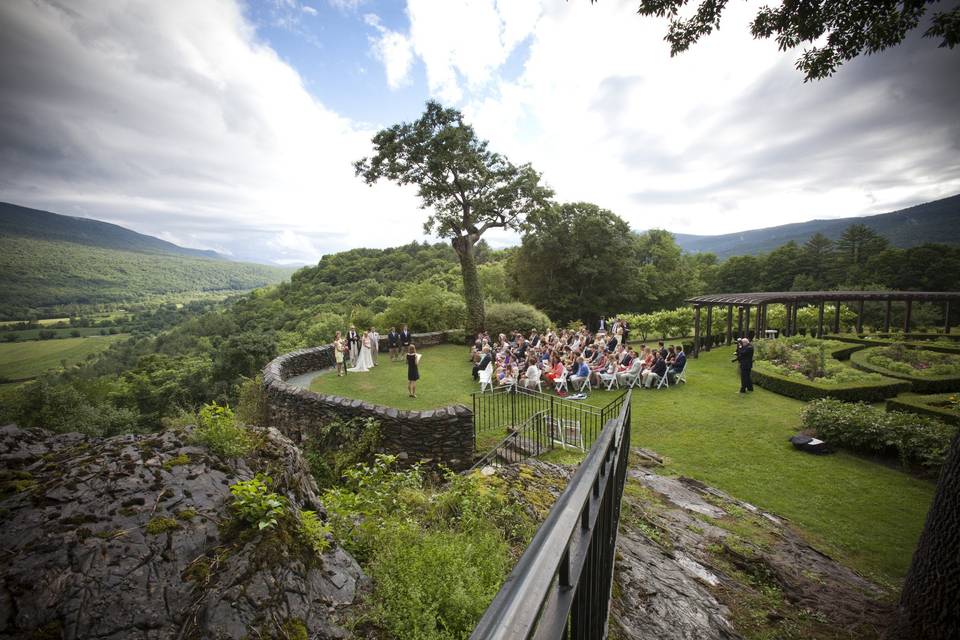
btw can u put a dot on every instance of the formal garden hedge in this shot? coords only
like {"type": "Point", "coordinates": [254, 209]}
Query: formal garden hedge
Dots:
{"type": "Point", "coordinates": [807, 369]}
{"type": "Point", "coordinates": [927, 405]}
{"type": "Point", "coordinates": [848, 392]}
{"type": "Point", "coordinates": [896, 360]}
{"type": "Point", "coordinates": [944, 346]}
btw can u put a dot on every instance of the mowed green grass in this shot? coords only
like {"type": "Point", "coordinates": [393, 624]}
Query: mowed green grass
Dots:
{"type": "Point", "coordinates": [864, 513]}
{"type": "Point", "coordinates": [20, 360]}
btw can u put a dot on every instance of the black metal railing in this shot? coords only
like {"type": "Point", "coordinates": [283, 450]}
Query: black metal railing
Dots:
{"type": "Point", "coordinates": [506, 408]}
{"type": "Point", "coordinates": [534, 436]}
{"type": "Point", "coordinates": [562, 584]}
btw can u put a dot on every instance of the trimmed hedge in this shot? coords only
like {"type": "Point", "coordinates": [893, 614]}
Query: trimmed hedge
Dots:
{"type": "Point", "coordinates": [932, 384]}
{"type": "Point", "coordinates": [806, 390]}
{"type": "Point", "coordinates": [918, 405]}
{"type": "Point", "coordinates": [941, 348]}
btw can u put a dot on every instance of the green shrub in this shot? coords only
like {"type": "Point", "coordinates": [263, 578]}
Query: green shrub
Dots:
{"type": "Point", "coordinates": [322, 328]}
{"type": "Point", "coordinates": [456, 336]}
{"type": "Point", "coordinates": [219, 432]}
{"type": "Point", "coordinates": [505, 317]}
{"type": "Point", "coordinates": [338, 445]}
{"type": "Point", "coordinates": [424, 306]}
{"type": "Point", "coordinates": [255, 504]}
{"type": "Point", "coordinates": [435, 584]}
{"type": "Point", "coordinates": [314, 531]}
{"type": "Point", "coordinates": [252, 402]}
{"type": "Point", "coordinates": [858, 426]}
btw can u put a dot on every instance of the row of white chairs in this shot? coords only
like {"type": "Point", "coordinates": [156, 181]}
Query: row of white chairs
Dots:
{"type": "Point", "coordinates": [582, 384]}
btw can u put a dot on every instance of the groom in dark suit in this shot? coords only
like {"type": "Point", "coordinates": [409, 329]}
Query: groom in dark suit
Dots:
{"type": "Point", "coordinates": [353, 344]}
{"type": "Point", "coordinates": [404, 338]}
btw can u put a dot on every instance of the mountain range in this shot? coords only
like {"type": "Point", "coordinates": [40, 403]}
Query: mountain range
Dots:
{"type": "Point", "coordinates": [937, 221]}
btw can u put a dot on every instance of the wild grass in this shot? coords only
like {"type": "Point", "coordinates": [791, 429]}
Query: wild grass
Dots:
{"type": "Point", "coordinates": [19, 360]}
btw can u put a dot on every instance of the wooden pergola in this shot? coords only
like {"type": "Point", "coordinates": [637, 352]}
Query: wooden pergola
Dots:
{"type": "Point", "coordinates": [755, 304]}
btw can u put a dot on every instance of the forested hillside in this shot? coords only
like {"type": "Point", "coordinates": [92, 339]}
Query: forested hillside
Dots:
{"type": "Point", "coordinates": [44, 225]}
{"type": "Point", "coordinates": [929, 222]}
{"type": "Point", "coordinates": [42, 277]}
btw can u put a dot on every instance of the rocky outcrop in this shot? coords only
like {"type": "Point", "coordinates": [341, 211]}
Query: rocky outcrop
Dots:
{"type": "Point", "coordinates": [133, 537]}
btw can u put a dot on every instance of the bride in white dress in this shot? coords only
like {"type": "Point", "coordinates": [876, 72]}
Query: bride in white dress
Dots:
{"type": "Point", "coordinates": [364, 360]}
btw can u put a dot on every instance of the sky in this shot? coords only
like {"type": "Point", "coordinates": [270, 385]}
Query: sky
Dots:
{"type": "Point", "coordinates": [233, 125]}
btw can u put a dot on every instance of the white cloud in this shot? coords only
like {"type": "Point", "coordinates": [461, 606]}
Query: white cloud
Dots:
{"type": "Point", "coordinates": [309, 10]}
{"type": "Point", "coordinates": [393, 49]}
{"type": "Point", "coordinates": [160, 116]}
{"type": "Point", "coordinates": [347, 5]}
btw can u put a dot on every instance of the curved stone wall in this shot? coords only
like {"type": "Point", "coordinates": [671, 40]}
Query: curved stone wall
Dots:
{"type": "Point", "coordinates": [442, 435]}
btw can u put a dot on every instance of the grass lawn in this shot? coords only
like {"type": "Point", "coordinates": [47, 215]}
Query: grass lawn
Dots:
{"type": "Point", "coordinates": [20, 360]}
{"type": "Point", "coordinates": [866, 514]}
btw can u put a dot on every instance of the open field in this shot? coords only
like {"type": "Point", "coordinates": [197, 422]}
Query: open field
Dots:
{"type": "Point", "coordinates": [865, 513]}
{"type": "Point", "coordinates": [20, 360]}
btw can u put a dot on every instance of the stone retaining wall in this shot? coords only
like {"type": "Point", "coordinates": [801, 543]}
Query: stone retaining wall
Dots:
{"type": "Point", "coordinates": [442, 435]}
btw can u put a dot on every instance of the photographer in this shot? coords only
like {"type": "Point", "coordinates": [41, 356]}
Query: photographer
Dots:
{"type": "Point", "coordinates": [744, 356]}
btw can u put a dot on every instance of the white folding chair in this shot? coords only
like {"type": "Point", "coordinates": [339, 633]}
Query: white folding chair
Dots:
{"type": "Point", "coordinates": [681, 377]}
{"type": "Point", "coordinates": [583, 382]}
{"type": "Point", "coordinates": [561, 383]}
{"type": "Point", "coordinates": [664, 380]}
{"type": "Point", "coordinates": [486, 378]}
{"type": "Point", "coordinates": [609, 380]}
{"type": "Point", "coordinates": [528, 383]}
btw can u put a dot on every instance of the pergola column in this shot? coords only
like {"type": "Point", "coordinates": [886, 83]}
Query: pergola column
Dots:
{"type": "Point", "coordinates": [759, 328]}
{"type": "Point", "coordinates": [836, 319]}
{"type": "Point", "coordinates": [906, 317]}
{"type": "Point", "coordinates": [820, 320]}
{"type": "Point", "coordinates": [886, 317]}
{"type": "Point", "coordinates": [787, 307]}
{"type": "Point", "coordinates": [709, 327]}
{"type": "Point", "coordinates": [860, 316]}
{"type": "Point", "coordinates": [746, 326]}
{"type": "Point", "coordinates": [729, 323]}
{"type": "Point", "coordinates": [796, 310]}
{"type": "Point", "coordinates": [946, 317]}
{"type": "Point", "coordinates": [696, 331]}
{"type": "Point", "coordinates": [739, 321]}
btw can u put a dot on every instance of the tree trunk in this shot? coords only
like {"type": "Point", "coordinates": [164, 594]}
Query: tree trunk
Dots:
{"type": "Point", "coordinates": [472, 293]}
{"type": "Point", "coordinates": [930, 602]}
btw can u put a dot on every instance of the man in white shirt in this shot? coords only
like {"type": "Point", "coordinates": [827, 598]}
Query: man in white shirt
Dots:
{"type": "Point", "coordinates": [374, 345]}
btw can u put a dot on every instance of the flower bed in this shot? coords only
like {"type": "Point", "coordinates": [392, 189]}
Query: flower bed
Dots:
{"type": "Point", "coordinates": [807, 368]}
{"type": "Point", "coordinates": [927, 371]}
{"type": "Point", "coordinates": [943, 406]}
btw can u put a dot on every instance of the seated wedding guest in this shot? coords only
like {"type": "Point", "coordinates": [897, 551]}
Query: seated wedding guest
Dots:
{"type": "Point", "coordinates": [678, 364]}
{"type": "Point", "coordinates": [580, 373]}
{"type": "Point", "coordinates": [556, 369]}
{"type": "Point", "coordinates": [636, 367]}
{"type": "Point", "coordinates": [530, 378]}
{"type": "Point", "coordinates": [534, 338]}
{"type": "Point", "coordinates": [671, 355]}
{"type": "Point", "coordinates": [611, 343]}
{"type": "Point", "coordinates": [504, 375]}
{"type": "Point", "coordinates": [652, 376]}
{"type": "Point", "coordinates": [625, 359]}
{"type": "Point", "coordinates": [484, 361]}
{"type": "Point", "coordinates": [661, 349]}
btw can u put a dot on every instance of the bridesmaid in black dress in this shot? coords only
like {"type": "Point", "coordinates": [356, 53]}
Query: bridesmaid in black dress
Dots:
{"type": "Point", "coordinates": [413, 370]}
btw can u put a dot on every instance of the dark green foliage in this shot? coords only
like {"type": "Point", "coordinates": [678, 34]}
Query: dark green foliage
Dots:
{"type": "Point", "coordinates": [336, 446]}
{"type": "Point", "coordinates": [505, 317]}
{"type": "Point", "coordinates": [63, 408]}
{"type": "Point", "coordinates": [858, 426]}
{"type": "Point", "coordinates": [837, 31]}
{"type": "Point", "coordinates": [218, 431]}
